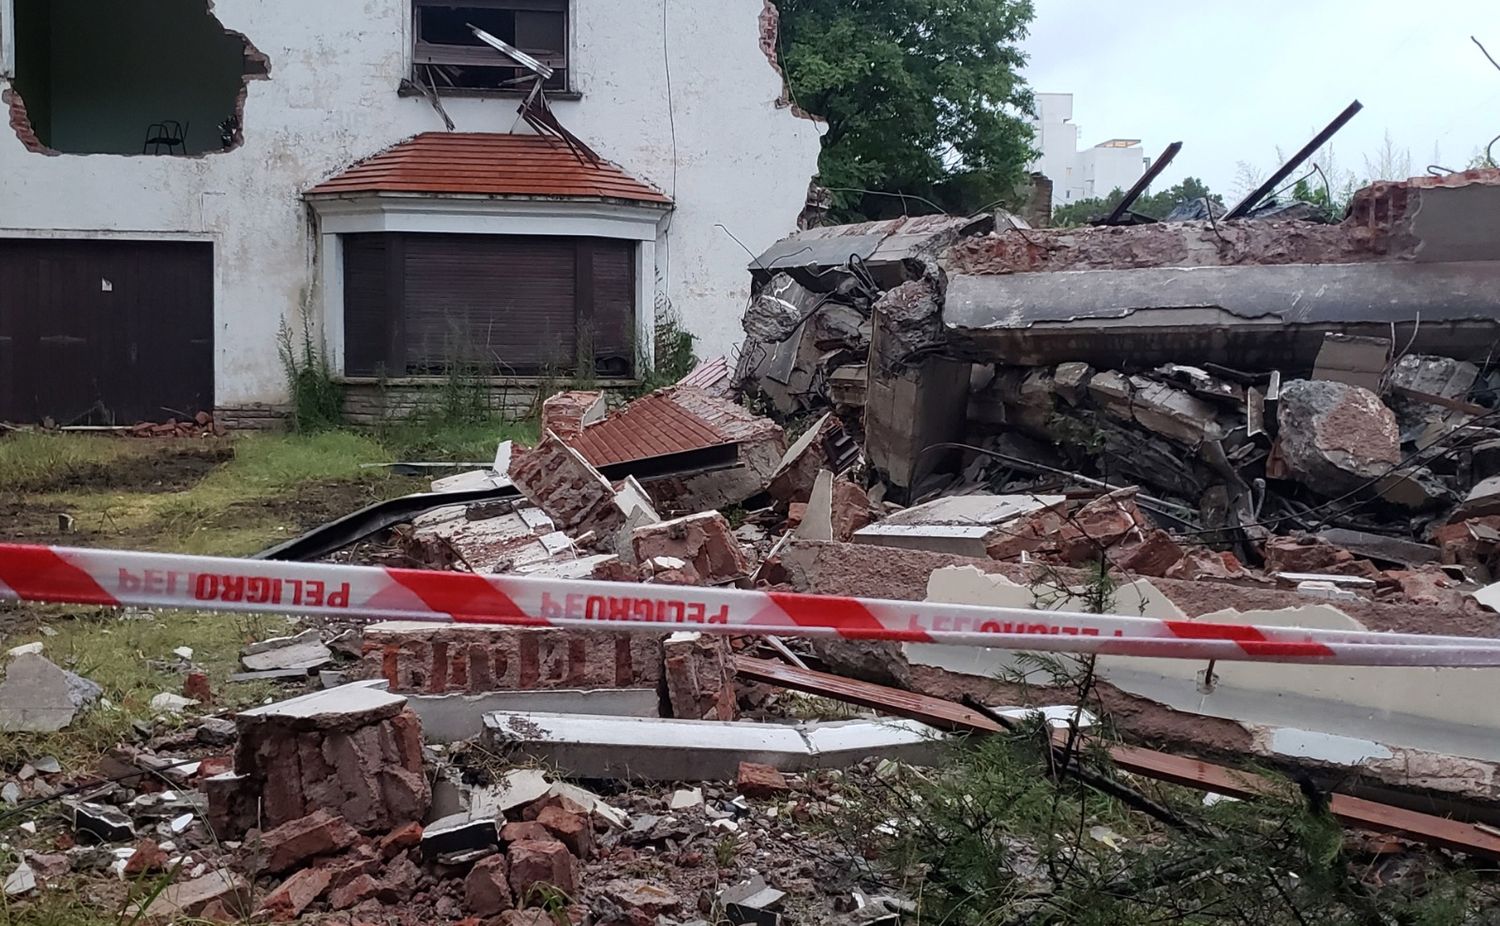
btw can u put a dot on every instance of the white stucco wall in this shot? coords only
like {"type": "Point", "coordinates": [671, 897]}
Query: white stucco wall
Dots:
{"type": "Point", "coordinates": [331, 99]}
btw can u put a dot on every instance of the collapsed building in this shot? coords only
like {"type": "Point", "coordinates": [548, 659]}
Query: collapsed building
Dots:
{"type": "Point", "coordinates": [1170, 355]}
{"type": "Point", "coordinates": [1265, 423]}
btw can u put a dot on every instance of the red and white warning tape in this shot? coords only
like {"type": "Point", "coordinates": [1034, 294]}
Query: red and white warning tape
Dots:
{"type": "Point", "coordinates": [156, 580]}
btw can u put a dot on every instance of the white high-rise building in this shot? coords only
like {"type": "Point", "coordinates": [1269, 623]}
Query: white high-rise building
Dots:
{"type": "Point", "coordinates": [1092, 172]}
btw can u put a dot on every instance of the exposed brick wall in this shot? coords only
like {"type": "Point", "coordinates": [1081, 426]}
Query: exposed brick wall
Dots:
{"type": "Point", "coordinates": [444, 660]}
{"type": "Point", "coordinates": [253, 417]}
{"type": "Point", "coordinates": [375, 403]}
{"type": "Point", "coordinates": [20, 122]}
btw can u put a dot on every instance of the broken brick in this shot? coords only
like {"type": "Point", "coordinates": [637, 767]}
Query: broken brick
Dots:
{"type": "Point", "coordinates": [535, 862]}
{"type": "Point", "coordinates": [851, 510]}
{"type": "Point", "coordinates": [357, 891]}
{"type": "Point", "coordinates": [196, 686]}
{"type": "Point", "coordinates": [399, 880]}
{"type": "Point", "coordinates": [567, 413]}
{"type": "Point", "coordinates": [1153, 555]}
{"type": "Point", "coordinates": [487, 887]}
{"type": "Point", "coordinates": [761, 781]}
{"type": "Point", "coordinates": [705, 541]}
{"type": "Point", "coordinates": [295, 894]}
{"type": "Point", "coordinates": [363, 859]}
{"type": "Point", "coordinates": [571, 829]}
{"type": "Point", "coordinates": [400, 840]}
{"type": "Point", "coordinates": [555, 478]}
{"type": "Point", "coordinates": [516, 832]}
{"type": "Point", "coordinates": [148, 857]}
{"type": "Point", "coordinates": [1312, 555]}
{"type": "Point", "coordinates": [293, 843]}
{"type": "Point", "coordinates": [1205, 564]}
{"type": "Point", "coordinates": [700, 677]}
{"type": "Point", "coordinates": [638, 902]}
{"type": "Point", "coordinates": [354, 752]}
{"type": "Point", "coordinates": [1099, 525]}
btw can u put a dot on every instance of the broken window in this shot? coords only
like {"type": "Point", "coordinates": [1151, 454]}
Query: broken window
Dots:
{"type": "Point", "coordinates": [103, 77]}
{"type": "Point", "coordinates": [420, 304]}
{"type": "Point", "coordinates": [447, 56]}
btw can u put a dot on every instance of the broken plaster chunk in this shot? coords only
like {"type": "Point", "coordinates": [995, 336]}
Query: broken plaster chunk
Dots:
{"type": "Point", "coordinates": [743, 901]}
{"type": "Point", "coordinates": [20, 881]}
{"type": "Point", "coordinates": [306, 650]}
{"type": "Point", "coordinates": [518, 788]}
{"type": "Point", "coordinates": [38, 696]}
{"type": "Point", "coordinates": [28, 649]}
{"type": "Point", "coordinates": [686, 799]}
{"type": "Point", "coordinates": [168, 703]}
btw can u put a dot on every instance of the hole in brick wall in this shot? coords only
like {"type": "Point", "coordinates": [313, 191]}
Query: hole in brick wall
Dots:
{"type": "Point", "coordinates": [103, 77]}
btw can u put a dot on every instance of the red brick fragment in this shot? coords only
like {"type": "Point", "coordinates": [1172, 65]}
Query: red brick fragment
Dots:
{"type": "Point", "coordinates": [761, 781]}
{"type": "Point", "coordinates": [292, 843]}
{"type": "Point", "coordinates": [571, 829]}
{"type": "Point", "coordinates": [487, 887]}
{"type": "Point", "coordinates": [296, 894]}
{"type": "Point", "coordinates": [534, 863]}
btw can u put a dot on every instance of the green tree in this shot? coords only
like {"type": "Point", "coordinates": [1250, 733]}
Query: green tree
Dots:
{"type": "Point", "coordinates": [922, 98]}
{"type": "Point", "coordinates": [1155, 205]}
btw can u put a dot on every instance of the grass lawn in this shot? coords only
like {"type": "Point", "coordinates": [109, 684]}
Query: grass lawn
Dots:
{"type": "Point", "coordinates": [229, 496]}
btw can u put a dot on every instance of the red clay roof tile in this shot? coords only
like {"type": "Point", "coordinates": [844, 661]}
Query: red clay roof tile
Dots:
{"type": "Point", "coordinates": [669, 421]}
{"type": "Point", "coordinates": [488, 164]}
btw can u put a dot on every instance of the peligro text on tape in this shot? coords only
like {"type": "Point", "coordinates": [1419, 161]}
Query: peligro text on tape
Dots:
{"type": "Point", "coordinates": [156, 580]}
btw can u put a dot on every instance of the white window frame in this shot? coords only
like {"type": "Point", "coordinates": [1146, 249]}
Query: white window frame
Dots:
{"type": "Point", "coordinates": [643, 223]}
{"type": "Point", "coordinates": [7, 39]}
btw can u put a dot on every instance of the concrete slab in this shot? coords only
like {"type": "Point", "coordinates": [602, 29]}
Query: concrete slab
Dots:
{"type": "Point", "coordinates": [974, 509]}
{"type": "Point", "coordinates": [956, 539]}
{"type": "Point", "coordinates": [1489, 596]}
{"type": "Point", "coordinates": [958, 524]}
{"type": "Point", "coordinates": [694, 750]}
{"type": "Point", "coordinates": [840, 745]}
{"type": "Point", "coordinates": [967, 585]}
{"type": "Point", "coordinates": [355, 698]}
{"type": "Point", "coordinates": [452, 718]}
{"type": "Point", "coordinates": [817, 522]}
{"type": "Point", "coordinates": [1419, 708]}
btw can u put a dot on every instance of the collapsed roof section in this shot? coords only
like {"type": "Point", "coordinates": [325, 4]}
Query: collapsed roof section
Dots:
{"type": "Point", "coordinates": [1422, 255]}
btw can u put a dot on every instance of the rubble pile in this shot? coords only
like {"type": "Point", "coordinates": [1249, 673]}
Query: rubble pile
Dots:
{"type": "Point", "coordinates": [201, 425]}
{"type": "Point", "coordinates": [1376, 433]}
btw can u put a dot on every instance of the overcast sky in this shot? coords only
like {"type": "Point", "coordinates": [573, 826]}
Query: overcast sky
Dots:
{"type": "Point", "coordinates": [1232, 80]}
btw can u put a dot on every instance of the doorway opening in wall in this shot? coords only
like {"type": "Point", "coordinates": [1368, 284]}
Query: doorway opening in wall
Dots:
{"type": "Point", "coordinates": [447, 56]}
{"type": "Point", "coordinates": [102, 77]}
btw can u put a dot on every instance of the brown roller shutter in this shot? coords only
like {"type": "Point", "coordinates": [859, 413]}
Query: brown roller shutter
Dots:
{"type": "Point", "coordinates": [614, 306]}
{"type": "Point", "coordinates": [370, 322]}
{"type": "Point", "coordinates": [505, 302]}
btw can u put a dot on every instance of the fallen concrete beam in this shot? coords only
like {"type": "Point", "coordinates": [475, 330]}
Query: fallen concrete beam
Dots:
{"type": "Point", "coordinates": [1272, 317]}
{"type": "Point", "coordinates": [452, 718]}
{"type": "Point", "coordinates": [585, 746]}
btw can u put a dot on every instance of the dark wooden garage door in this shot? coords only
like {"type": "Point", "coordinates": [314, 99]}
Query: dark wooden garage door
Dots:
{"type": "Point", "coordinates": [105, 332]}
